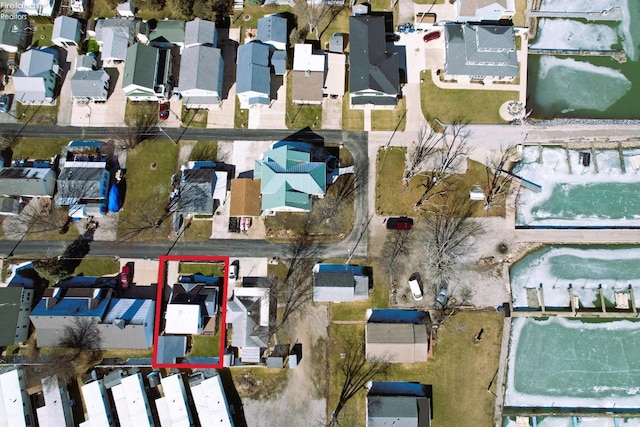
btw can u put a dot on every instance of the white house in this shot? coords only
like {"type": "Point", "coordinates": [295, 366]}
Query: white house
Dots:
{"type": "Point", "coordinates": [210, 401]}
{"type": "Point", "coordinates": [173, 407]}
{"type": "Point", "coordinates": [183, 319]}
{"type": "Point", "coordinates": [484, 10]}
{"type": "Point", "coordinates": [15, 405]}
{"type": "Point", "coordinates": [131, 402]}
{"type": "Point", "coordinates": [56, 411]}
{"type": "Point", "coordinates": [98, 407]}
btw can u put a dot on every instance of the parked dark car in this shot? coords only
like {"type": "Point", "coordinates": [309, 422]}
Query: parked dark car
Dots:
{"type": "Point", "coordinates": [126, 276]}
{"type": "Point", "coordinates": [401, 223]}
{"type": "Point", "coordinates": [434, 35]}
{"type": "Point", "coordinates": [393, 37]}
{"type": "Point", "coordinates": [163, 113]}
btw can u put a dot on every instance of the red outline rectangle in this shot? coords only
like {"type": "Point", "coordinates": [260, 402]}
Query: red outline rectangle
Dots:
{"type": "Point", "coordinates": [223, 310]}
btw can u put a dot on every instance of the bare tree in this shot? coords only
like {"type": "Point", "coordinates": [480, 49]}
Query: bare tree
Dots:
{"type": "Point", "coordinates": [311, 13]}
{"type": "Point", "coordinates": [146, 218]}
{"type": "Point", "coordinates": [339, 195]}
{"type": "Point", "coordinates": [37, 216]}
{"type": "Point", "coordinates": [449, 235]}
{"type": "Point", "coordinates": [395, 250]}
{"type": "Point", "coordinates": [499, 180]}
{"type": "Point", "coordinates": [444, 161]}
{"type": "Point", "coordinates": [142, 124]}
{"type": "Point", "coordinates": [427, 145]}
{"type": "Point", "coordinates": [357, 372]}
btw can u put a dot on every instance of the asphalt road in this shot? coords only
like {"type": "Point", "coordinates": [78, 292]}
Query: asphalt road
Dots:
{"type": "Point", "coordinates": [355, 244]}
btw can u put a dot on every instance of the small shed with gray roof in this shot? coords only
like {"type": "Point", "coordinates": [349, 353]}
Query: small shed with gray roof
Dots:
{"type": "Point", "coordinates": [200, 32]}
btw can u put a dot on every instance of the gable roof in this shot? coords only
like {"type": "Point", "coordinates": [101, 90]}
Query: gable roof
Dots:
{"type": "Point", "coordinates": [200, 32]}
{"type": "Point", "coordinates": [139, 66]}
{"type": "Point", "coordinates": [36, 63]}
{"type": "Point", "coordinates": [169, 30]}
{"type": "Point", "coordinates": [197, 191]}
{"type": "Point", "coordinates": [480, 50]}
{"type": "Point", "coordinates": [115, 44]}
{"type": "Point", "coordinates": [400, 404]}
{"type": "Point", "coordinates": [201, 68]}
{"type": "Point", "coordinates": [289, 177]}
{"type": "Point", "coordinates": [272, 28]}
{"type": "Point", "coordinates": [27, 181]}
{"type": "Point", "coordinates": [89, 83]}
{"type": "Point", "coordinates": [12, 31]}
{"type": "Point", "coordinates": [245, 197]}
{"type": "Point", "coordinates": [66, 28]}
{"type": "Point", "coordinates": [122, 26]}
{"type": "Point", "coordinates": [82, 183]}
{"type": "Point", "coordinates": [248, 312]}
{"type": "Point", "coordinates": [10, 301]}
{"type": "Point", "coordinates": [371, 67]}
{"type": "Point", "coordinates": [253, 73]}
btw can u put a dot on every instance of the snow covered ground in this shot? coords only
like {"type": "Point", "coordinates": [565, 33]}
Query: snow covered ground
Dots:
{"type": "Point", "coordinates": [578, 197]}
{"type": "Point", "coordinates": [584, 267]}
{"type": "Point", "coordinates": [573, 364]}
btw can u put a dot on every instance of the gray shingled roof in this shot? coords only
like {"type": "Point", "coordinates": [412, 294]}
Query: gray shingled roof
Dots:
{"type": "Point", "coordinates": [89, 84]}
{"type": "Point", "coordinates": [370, 66]}
{"type": "Point", "coordinates": [66, 28]}
{"type": "Point", "coordinates": [27, 182]}
{"type": "Point", "coordinates": [122, 26]}
{"type": "Point", "coordinates": [200, 68]}
{"type": "Point", "coordinates": [253, 73]}
{"type": "Point", "coordinates": [480, 50]}
{"type": "Point", "coordinates": [272, 28]}
{"type": "Point", "coordinates": [199, 31]}
{"type": "Point", "coordinates": [35, 62]}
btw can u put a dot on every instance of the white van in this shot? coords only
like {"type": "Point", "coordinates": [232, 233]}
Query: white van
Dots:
{"type": "Point", "coordinates": [415, 290]}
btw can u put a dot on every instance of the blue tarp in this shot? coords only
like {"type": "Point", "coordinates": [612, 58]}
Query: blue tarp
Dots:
{"type": "Point", "coordinates": [114, 199]}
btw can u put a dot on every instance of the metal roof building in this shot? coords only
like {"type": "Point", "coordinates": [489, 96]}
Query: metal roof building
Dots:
{"type": "Point", "coordinates": [399, 404]}
{"type": "Point", "coordinates": [57, 409]}
{"type": "Point", "coordinates": [15, 405]}
{"type": "Point", "coordinates": [131, 402]}
{"type": "Point", "coordinates": [96, 402]}
{"type": "Point", "coordinates": [210, 401]}
{"type": "Point", "coordinates": [173, 408]}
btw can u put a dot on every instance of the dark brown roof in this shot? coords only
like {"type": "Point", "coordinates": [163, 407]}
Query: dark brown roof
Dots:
{"type": "Point", "coordinates": [245, 197]}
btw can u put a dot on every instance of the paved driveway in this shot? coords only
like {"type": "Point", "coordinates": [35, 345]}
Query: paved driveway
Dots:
{"type": "Point", "coordinates": [67, 68]}
{"type": "Point", "coordinates": [110, 113]}
{"type": "Point", "coordinates": [331, 113]}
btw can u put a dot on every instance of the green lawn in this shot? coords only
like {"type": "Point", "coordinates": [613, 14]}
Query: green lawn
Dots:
{"type": "Point", "coordinates": [351, 119]}
{"type": "Point", "coordinates": [473, 106]}
{"type": "Point", "coordinates": [37, 114]}
{"type": "Point", "coordinates": [204, 150]}
{"type": "Point", "coordinates": [197, 231]}
{"type": "Point", "coordinates": [394, 198]}
{"type": "Point", "coordinates": [460, 371]}
{"type": "Point", "coordinates": [97, 266]}
{"type": "Point", "coordinates": [139, 112]}
{"type": "Point", "coordinates": [205, 268]}
{"type": "Point", "coordinates": [241, 117]}
{"type": "Point", "coordinates": [148, 183]}
{"type": "Point", "coordinates": [44, 148]}
{"type": "Point", "coordinates": [301, 116]}
{"type": "Point", "coordinates": [390, 119]}
{"type": "Point", "coordinates": [42, 30]}
{"type": "Point", "coordinates": [206, 346]}
{"type": "Point", "coordinates": [194, 118]}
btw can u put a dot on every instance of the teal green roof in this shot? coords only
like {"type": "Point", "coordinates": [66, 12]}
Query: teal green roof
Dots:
{"type": "Point", "coordinates": [289, 178]}
{"type": "Point", "coordinates": [140, 66]}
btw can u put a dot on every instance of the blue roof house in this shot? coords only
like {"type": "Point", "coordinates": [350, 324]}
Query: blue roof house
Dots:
{"type": "Point", "coordinates": [400, 404]}
{"type": "Point", "coordinates": [272, 29]}
{"type": "Point", "coordinates": [253, 75]}
{"type": "Point", "coordinates": [289, 178]}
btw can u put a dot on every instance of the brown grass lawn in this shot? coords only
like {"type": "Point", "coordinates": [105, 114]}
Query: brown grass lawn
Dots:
{"type": "Point", "coordinates": [390, 119]}
{"type": "Point", "coordinates": [44, 149]}
{"type": "Point", "coordinates": [393, 198]}
{"type": "Point", "coordinates": [519, 19]}
{"type": "Point", "coordinates": [37, 114]}
{"type": "Point", "coordinates": [351, 119]}
{"type": "Point", "coordinates": [460, 371]}
{"type": "Point", "coordinates": [473, 106]}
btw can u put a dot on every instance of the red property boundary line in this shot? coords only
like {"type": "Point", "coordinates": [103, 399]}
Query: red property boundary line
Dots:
{"type": "Point", "coordinates": [223, 311]}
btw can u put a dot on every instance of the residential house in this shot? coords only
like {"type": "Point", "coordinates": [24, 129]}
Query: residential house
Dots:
{"type": "Point", "coordinates": [13, 33]}
{"type": "Point", "coordinates": [87, 83]}
{"type": "Point", "coordinates": [374, 73]}
{"type": "Point", "coordinates": [200, 32]}
{"type": "Point", "coordinates": [15, 404]}
{"type": "Point", "coordinates": [147, 73]}
{"type": "Point", "coordinates": [289, 178]}
{"type": "Point", "coordinates": [132, 405]}
{"type": "Point", "coordinates": [201, 72]}
{"type": "Point", "coordinates": [192, 308]}
{"type": "Point", "coordinates": [36, 78]}
{"type": "Point", "coordinates": [484, 10]}
{"type": "Point", "coordinates": [272, 30]}
{"type": "Point", "coordinates": [27, 182]}
{"type": "Point", "coordinates": [248, 318]}
{"type": "Point", "coordinates": [253, 75]}
{"type": "Point", "coordinates": [480, 53]}
{"type": "Point", "coordinates": [97, 405]}
{"type": "Point", "coordinates": [14, 316]}
{"type": "Point", "coordinates": [126, 9]}
{"type": "Point", "coordinates": [57, 408]}
{"type": "Point", "coordinates": [170, 348]}
{"type": "Point", "coordinates": [173, 408]}
{"type": "Point", "coordinates": [202, 189]}
{"type": "Point", "coordinates": [401, 404]}
{"type": "Point", "coordinates": [339, 283]}
{"type": "Point", "coordinates": [335, 81]}
{"type": "Point", "coordinates": [66, 31]}
{"type": "Point", "coordinates": [308, 75]}
{"type": "Point", "coordinates": [122, 323]}
{"type": "Point", "coordinates": [83, 183]}
{"type": "Point", "coordinates": [397, 336]}
{"type": "Point", "coordinates": [245, 197]}
{"type": "Point", "coordinates": [210, 400]}
{"type": "Point", "coordinates": [167, 34]}
{"type": "Point", "coordinates": [114, 36]}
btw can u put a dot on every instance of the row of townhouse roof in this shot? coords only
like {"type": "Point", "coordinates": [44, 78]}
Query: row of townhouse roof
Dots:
{"type": "Point", "coordinates": [120, 397]}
